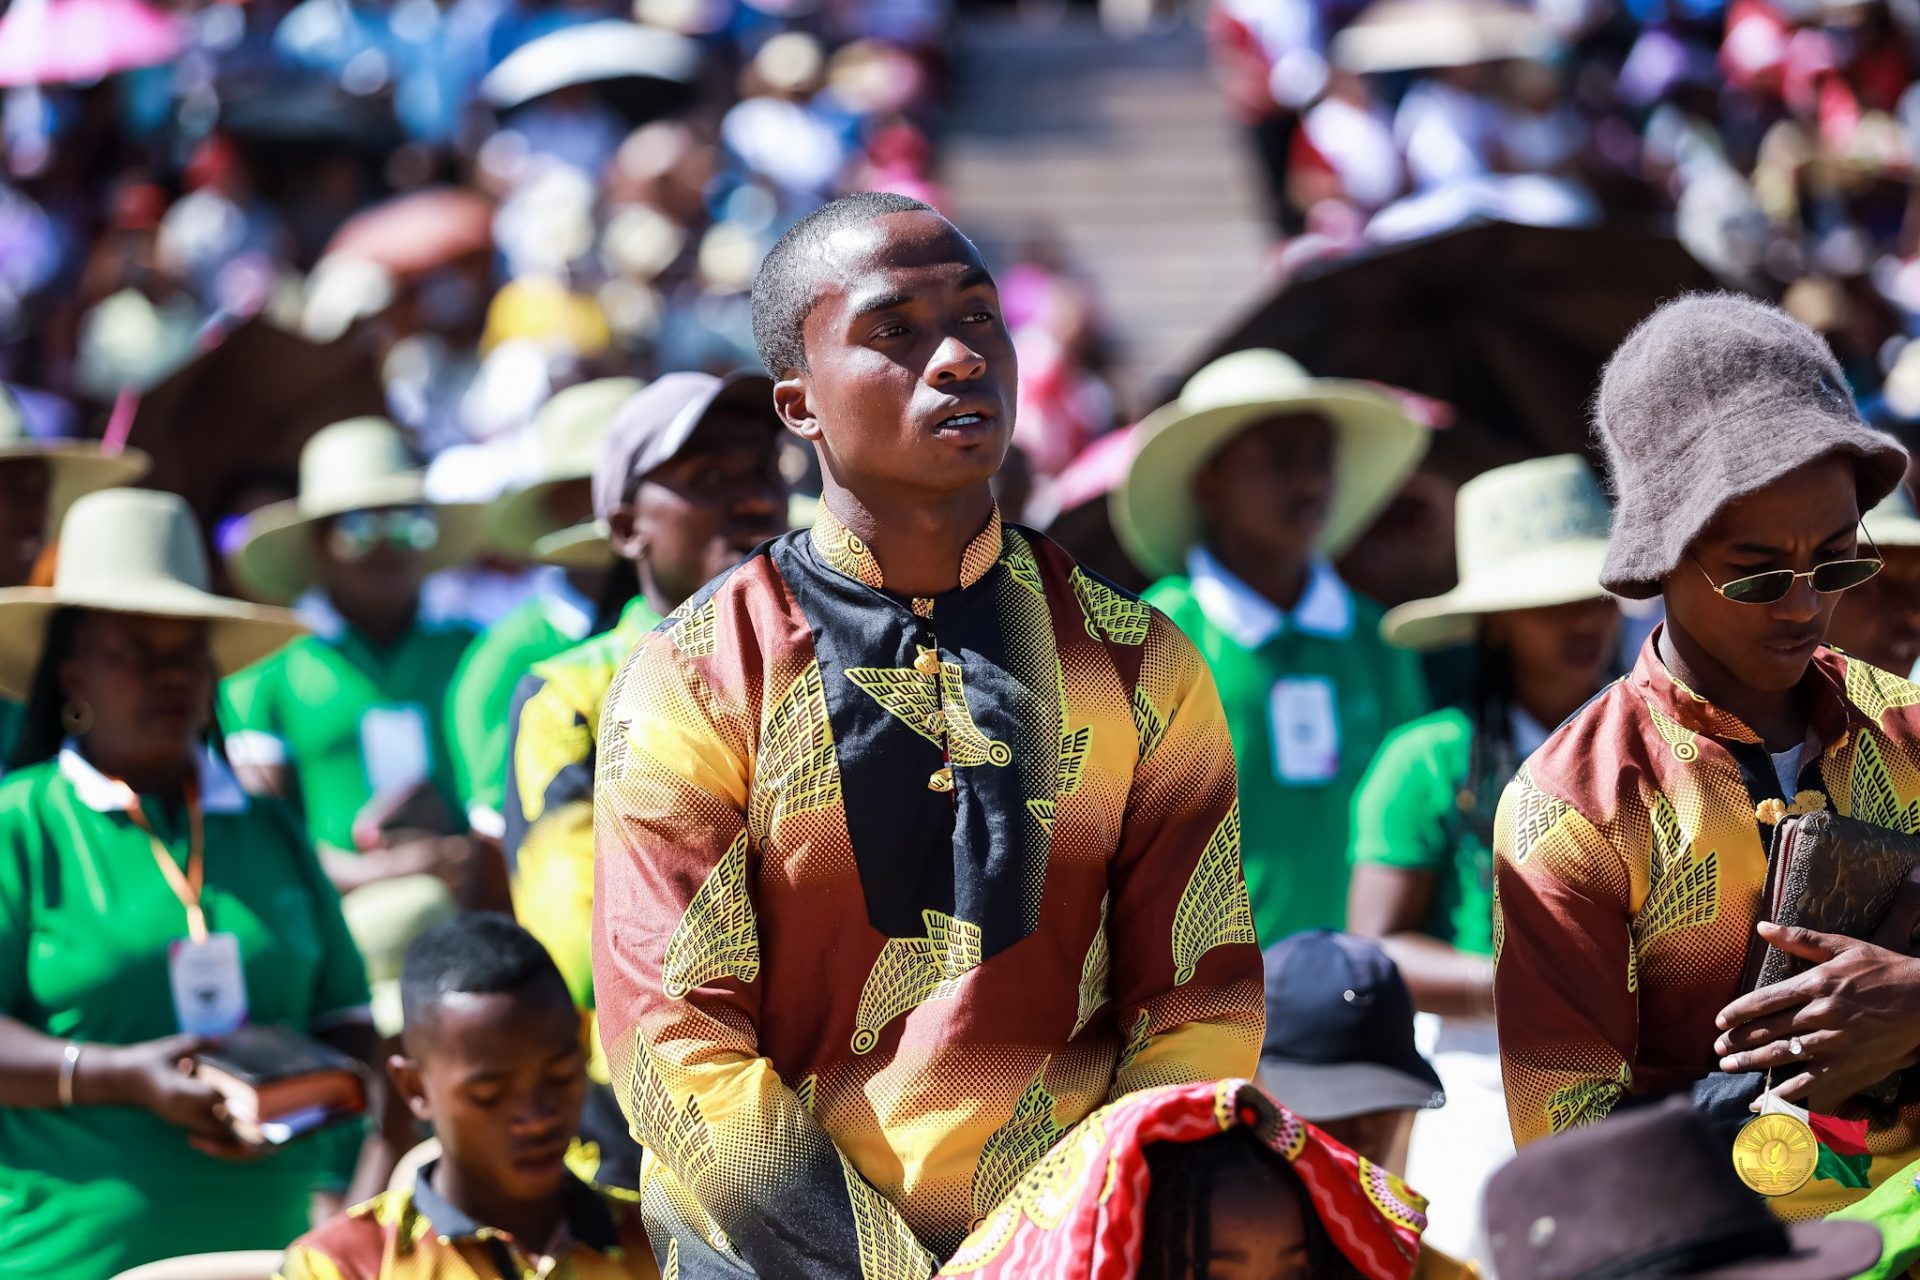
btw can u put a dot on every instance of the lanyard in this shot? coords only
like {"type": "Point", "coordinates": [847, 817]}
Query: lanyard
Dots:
{"type": "Point", "coordinates": [185, 885]}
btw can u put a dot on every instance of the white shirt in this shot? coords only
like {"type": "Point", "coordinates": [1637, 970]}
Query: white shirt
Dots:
{"type": "Point", "coordinates": [1250, 619]}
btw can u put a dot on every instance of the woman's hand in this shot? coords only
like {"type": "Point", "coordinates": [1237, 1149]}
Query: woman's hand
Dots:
{"type": "Point", "coordinates": [157, 1076]}
{"type": "Point", "coordinates": [1855, 1016]}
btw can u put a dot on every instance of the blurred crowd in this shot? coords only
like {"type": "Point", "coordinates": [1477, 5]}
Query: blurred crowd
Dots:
{"type": "Point", "coordinates": [1777, 138]}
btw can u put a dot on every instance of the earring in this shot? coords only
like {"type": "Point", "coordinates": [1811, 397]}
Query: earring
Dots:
{"type": "Point", "coordinates": [76, 718]}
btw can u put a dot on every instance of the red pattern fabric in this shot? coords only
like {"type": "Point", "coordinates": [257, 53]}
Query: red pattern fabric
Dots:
{"type": "Point", "coordinates": [1081, 1213]}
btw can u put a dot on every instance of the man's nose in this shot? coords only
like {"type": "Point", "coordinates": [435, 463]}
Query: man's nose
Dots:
{"type": "Point", "coordinates": [955, 361]}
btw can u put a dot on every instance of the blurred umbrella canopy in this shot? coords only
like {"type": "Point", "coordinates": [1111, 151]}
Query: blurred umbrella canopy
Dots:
{"type": "Point", "coordinates": [81, 41]}
{"type": "Point", "coordinates": [239, 412]}
{"type": "Point", "coordinates": [416, 233]}
{"type": "Point", "coordinates": [641, 72]}
{"type": "Point", "coordinates": [1510, 325]}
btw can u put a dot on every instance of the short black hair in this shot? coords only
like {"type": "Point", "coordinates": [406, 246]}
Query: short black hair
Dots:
{"type": "Point", "coordinates": [481, 954]}
{"type": "Point", "coordinates": [785, 287]}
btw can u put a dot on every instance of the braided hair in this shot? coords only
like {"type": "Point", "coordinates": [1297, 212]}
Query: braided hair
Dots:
{"type": "Point", "coordinates": [1183, 1177]}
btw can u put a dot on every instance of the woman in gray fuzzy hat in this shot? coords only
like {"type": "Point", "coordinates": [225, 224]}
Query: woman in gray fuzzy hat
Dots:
{"type": "Point", "coordinates": [1631, 850]}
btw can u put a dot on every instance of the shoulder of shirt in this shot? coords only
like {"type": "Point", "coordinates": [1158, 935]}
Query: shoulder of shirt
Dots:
{"type": "Point", "coordinates": [355, 1240]}
{"type": "Point", "coordinates": [1570, 765]}
{"type": "Point", "coordinates": [23, 788]}
{"type": "Point", "coordinates": [756, 573]}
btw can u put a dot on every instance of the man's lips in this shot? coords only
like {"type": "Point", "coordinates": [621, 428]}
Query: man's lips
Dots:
{"type": "Point", "coordinates": [1791, 645]}
{"type": "Point", "coordinates": [965, 418]}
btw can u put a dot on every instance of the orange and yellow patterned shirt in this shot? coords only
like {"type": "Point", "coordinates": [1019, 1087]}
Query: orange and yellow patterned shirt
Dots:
{"type": "Point", "coordinates": [415, 1234]}
{"type": "Point", "coordinates": [1630, 857]}
{"type": "Point", "coordinates": [892, 892]}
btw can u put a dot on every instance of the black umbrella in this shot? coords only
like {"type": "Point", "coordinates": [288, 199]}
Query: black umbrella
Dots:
{"type": "Point", "coordinates": [1509, 324]}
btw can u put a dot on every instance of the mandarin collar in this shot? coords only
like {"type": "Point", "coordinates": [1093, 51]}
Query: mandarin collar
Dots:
{"type": "Point", "coordinates": [589, 1222]}
{"type": "Point", "coordinates": [1831, 717]}
{"type": "Point", "coordinates": [844, 551]}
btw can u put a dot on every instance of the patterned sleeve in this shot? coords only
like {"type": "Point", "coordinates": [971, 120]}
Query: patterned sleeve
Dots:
{"type": "Point", "coordinates": [1565, 978]}
{"type": "Point", "coordinates": [1186, 967]}
{"type": "Point", "coordinates": [303, 1262]}
{"type": "Point", "coordinates": [676, 964]}
{"type": "Point", "coordinates": [549, 827]}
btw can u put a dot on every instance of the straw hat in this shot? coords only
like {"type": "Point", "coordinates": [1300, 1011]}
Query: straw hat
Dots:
{"type": "Point", "coordinates": [1377, 447]}
{"type": "Point", "coordinates": [1531, 535]}
{"type": "Point", "coordinates": [586, 545]}
{"type": "Point", "coordinates": [77, 466]}
{"type": "Point", "coordinates": [569, 429]}
{"type": "Point", "coordinates": [134, 551]}
{"type": "Point", "coordinates": [355, 465]}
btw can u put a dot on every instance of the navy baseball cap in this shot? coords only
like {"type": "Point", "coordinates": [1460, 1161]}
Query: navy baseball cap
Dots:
{"type": "Point", "coordinates": [1340, 1031]}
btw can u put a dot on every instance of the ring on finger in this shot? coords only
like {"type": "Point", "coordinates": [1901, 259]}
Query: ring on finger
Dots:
{"type": "Point", "coordinates": [1795, 1048]}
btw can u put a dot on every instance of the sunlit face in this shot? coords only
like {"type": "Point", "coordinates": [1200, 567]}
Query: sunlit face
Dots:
{"type": "Point", "coordinates": [1801, 520]}
{"type": "Point", "coordinates": [910, 377]}
{"type": "Point", "coordinates": [500, 1076]}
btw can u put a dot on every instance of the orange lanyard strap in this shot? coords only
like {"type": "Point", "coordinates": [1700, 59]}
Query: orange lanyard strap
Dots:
{"type": "Point", "coordinates": [185, 885]}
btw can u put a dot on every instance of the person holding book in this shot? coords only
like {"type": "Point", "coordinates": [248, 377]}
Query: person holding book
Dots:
{"type": "Point", "coordinates": [688, 483]}
{"type": "Point", "coordinates": [914, 841]}
{"type": "Point", "coordinates": [349, 723]}
{"type": "Point", "coordinates": [493, 1060]}
{"type": "Point", "coordinates": [1631, 850]}
{"type": "Point", "coordinates": [148, 905]}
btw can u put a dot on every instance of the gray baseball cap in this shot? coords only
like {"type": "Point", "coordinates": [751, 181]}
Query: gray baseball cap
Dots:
{"type": "Point", "coordinates": [653, 426]}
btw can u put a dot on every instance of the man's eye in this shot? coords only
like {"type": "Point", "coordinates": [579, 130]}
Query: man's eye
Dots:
{"type": "Point", "coordinates": [890, 331]}
{"type": "Point", "coordinates": [485, 1098]}
{"type": "Point", "coordinates": [980, 317]}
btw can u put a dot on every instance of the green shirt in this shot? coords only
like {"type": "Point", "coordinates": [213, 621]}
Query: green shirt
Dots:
{"type": "Point", "coordinates": [1323, 677]}
{"type": "Point", "coordinates": [87, 920]}
{"type": "Point", "coordinates": [483, 685]}
{"type": "Point", "coordinates": [349, 719]}
{"type": "Point", "coordinates": [1407, 813]}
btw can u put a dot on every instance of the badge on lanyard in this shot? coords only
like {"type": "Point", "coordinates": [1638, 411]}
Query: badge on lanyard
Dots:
{"type": "Point", "coordinates": [393, 746]}
{"type": "Point", "coordinates": [203, 968]}
{"type": "Point", "coordinates": [1306, 730]}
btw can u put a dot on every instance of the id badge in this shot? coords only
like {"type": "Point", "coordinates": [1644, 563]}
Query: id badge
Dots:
{"type": "Point", "coordinates": [393, 746]}
{"type": "Point", "coordinates": [209, 989]}
{"type": "Point", "coordinates": [1306, 730]}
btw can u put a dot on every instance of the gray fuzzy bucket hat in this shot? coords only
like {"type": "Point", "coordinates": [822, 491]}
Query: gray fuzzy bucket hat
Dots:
{"type": "Point", "coordinates": [1713, 397]}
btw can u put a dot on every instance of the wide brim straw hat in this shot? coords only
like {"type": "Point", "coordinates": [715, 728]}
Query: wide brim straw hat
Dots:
{"type": "Point", "coordinates": [134, 551]}
{"type": "Point", "coordinates": [358, 465]}
{"type": "Point", "coordinates": [1531, 535]}
{"type": "Point", "coordinates": [1376, 447]}
{"type": "Point", "coordinates": [76, 467]}
{"type": "Point", "coordinates": [569, 432]}
{"type": "Point", "coordinates": [582, 546]}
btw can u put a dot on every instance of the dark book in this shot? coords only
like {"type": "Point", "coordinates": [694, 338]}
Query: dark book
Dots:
{"type": "Point", "coordinates": [279, 1084]}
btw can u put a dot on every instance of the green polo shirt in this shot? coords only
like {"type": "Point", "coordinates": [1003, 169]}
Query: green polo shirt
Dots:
{"type": "Point", "coordinates": [1408, 812]}
{"type": "Point", "coordinates": [1309, 696]}
{"type": "Point", "coordinates": [348, 717]}
{"type": "Point", "coordinates": [483, 685]}
{"type": "Point", "coordinates": [85, 923]}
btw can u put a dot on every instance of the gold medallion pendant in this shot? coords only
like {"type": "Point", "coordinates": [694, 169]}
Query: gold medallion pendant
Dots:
{"type": "Point", "coordinates": [1774, 1153]}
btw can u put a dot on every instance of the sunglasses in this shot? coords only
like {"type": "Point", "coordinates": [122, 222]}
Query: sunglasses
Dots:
{"type": "Point", "coordinates": [1828, 578]}
{"type": "Point", "coordinates": [358, 534]}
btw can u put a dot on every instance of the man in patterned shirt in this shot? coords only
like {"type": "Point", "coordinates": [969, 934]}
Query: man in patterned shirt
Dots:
{"type": "Point", "coordinates": [915, 841]}
{"type": "Point", "coordinates": [1632, 848]}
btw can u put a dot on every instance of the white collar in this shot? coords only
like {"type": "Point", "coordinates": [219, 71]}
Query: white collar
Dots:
{"type": "Point", "coordinates": [570, 612]}
{"type": "Point", "coordinates": [219, 790]}
{"type": "Point", "coordinates": [1250, 619]}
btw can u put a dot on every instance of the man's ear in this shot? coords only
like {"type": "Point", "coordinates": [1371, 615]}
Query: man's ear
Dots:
{"type": "Point", "coordinates": [405, 1074]}
{"type": "Point", "coordinates": [793, 401]}
{"type": "Point", "coordinates": [624, 535]}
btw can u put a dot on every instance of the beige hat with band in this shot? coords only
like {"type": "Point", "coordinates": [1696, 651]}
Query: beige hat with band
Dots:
{"type": "Point", "coordinates": [357, 465]}
{"type": "Point", "coordinates": [1894, 522]}
{"type": "Point", "coordinates": [76, 467]}
{"type": "Point", "coordinates": [1531, 535]}
{"type": "Point", "coordinates": [570, 430]}
{"type": "Point", "coordinates": [134, 551]}
{"type": "Point", "coordinates": [1376, 447]}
